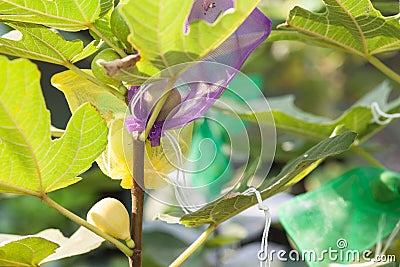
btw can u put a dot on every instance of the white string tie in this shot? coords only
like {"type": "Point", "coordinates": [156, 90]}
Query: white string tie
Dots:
{"type": "Point", "coordinates": [377, 113]}
{"type": "Point", "coordinates": [263, 252]}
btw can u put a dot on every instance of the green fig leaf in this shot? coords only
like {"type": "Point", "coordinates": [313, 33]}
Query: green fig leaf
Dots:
{"type": "Point", "coordinates": [295, 170]}
{"type": "Point", "coordinates": [80, 242]}
{"type": "Point", "coordinates": [105, 7]}
{"type": "Point", "coordinates": [28, 251]}
{"type": "Point", "coordinates": [354, 26]}
{"type": "Point", "coordinates": [288, 117]}
{"type": "Point", "coordinates": [59, 14]}
{"type": "Point", "coordinates": [30, 162]}
{"type": "Point", "coordinates": [40, 43]}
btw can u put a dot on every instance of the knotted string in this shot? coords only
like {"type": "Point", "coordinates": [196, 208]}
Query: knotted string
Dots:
{"type": "Point", "coordinates": [263, 252]}
{"type": "Point", "coordinates": [377, 113]}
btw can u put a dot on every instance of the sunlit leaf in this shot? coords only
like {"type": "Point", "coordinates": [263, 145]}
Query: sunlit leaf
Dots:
{"type": "Point", "coordinates": [40, 43]}
{"type": "Point", "coordinates": [60, 14]}
{"type": "Point", "coordinates": [297, 169]}
{"type": "Point", "coordinates": [87, 51]}
{"type": "Point", "coordinates": [354, 26]}
{"type": "Point", "coordinates": [103, 26]}
{"type": "Point", "coordinates": [56, 132]}
{"type": "Point", "coordinates": [105, 7]}
{"type": "Point", "coordinates": [78, 90]}
{"type": "Point", "coordinates": [158, 34]}
{"type": "Point", "coordinates": [28, 251]}
{"type": "Point", "coordinates": [30, 162]}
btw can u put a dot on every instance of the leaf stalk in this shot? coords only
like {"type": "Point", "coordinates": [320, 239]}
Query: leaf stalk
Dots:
{"type": "Point", "coordinates": [365, 155]}
{"type": "Point", "coordinates": [194, 246]}
{"type": "Point", "coordinates": [383, 68]}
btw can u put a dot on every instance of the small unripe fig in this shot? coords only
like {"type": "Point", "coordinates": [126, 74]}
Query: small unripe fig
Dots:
{"type": "Point", "coordinates": [170, 106]}
{"type": "Point", "coordinates": [98, 70]}
{"type": "Point", "coordinates": [111, 216]}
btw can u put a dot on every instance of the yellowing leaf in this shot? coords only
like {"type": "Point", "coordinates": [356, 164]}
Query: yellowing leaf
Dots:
{"type": "Point", "coordinates": [117, 159]}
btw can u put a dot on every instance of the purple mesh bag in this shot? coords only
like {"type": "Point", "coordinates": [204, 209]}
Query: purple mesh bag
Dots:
{"type": "Point", "coordinates": [201, 84]}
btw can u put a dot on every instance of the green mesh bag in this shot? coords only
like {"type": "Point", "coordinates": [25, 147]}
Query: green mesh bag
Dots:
{"type": "Point", "coordinates": [216, 167]}
{"type": "Point", "coordinates": [349, 213]}
{"type": "Point", "coordinates": [209, 156]}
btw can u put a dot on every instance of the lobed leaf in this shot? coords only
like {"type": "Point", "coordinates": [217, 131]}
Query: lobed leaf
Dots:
{"type": "Point", "coordinates": [28, 251]}
{"type": "Point", "coordinates": [82, 241]}
{"type": "Point", "coordinates": [30, 162]}
{"type": "Point", "coordinates": [225, 208]}
{"type": "Point", "coordinates": [40, 43]}
{"type": "Point", "coordinates": [354, 26]}
{"type": "Point", "coordinates": [60, 14]}
{"type": "Point", "coordinates": [79, 90]}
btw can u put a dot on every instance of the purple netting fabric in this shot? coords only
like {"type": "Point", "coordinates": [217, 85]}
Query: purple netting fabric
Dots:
{"type": "Point", "coordinates": [202, 84]}
{"type": "Point", "coordinates": [210, 10]}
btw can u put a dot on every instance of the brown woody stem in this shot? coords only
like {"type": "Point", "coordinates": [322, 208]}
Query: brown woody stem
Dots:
{"type": "Point", "coordinates": [137, 192]}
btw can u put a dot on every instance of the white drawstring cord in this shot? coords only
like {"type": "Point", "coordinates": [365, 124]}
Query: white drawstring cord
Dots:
{"type": "Point", "coordinates": [391, 237]}
{"type": "Point", "coordinates": [262, 254]}
{"type": "Point", "coordinates": [182, 198]}
{"type": "Point", "coordinates": [377, 112]}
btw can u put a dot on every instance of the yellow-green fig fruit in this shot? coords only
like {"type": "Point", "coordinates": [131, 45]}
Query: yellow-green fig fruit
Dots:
{"type": "Point", "coordinates": [170, 105]}
{"type": "Point", "coordinates": [111, 216]}
{"type": "Point", "coordinates": [98, 70]}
